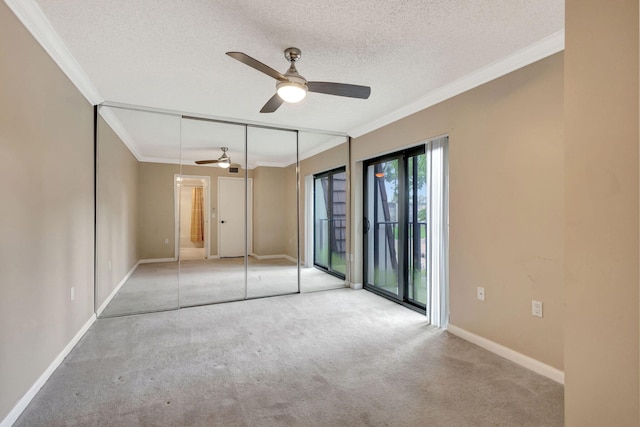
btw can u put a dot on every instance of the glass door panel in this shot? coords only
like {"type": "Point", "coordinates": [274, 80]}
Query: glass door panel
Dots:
{"type": "Point", "coordinates": [338, 231]}
{"type": "Point", "coordinates": [321, 222]}
{"type": "Point", "coordinates": [417, 229]}
{"type": "Point", "coordinates": [382, 222]}
{"type": "Point", "coordinates": [396, 227]}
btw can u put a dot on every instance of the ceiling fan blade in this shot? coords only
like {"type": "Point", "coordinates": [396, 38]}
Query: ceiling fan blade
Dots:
{"type": "Point", "coordinates": [254, 63]}
{"type": "Point", "coordinates": [272, 104]}
{"type": "Point", "coordinates": [340, 89]}
{"type": "Point", "coordinates": [205, 162]}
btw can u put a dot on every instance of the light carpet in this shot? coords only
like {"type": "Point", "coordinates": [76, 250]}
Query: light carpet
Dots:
{"type": "Point", "coordinates": [334, 358]}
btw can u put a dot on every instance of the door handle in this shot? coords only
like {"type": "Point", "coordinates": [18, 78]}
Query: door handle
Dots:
{"type": "Point", "coordinates": [222, 222]}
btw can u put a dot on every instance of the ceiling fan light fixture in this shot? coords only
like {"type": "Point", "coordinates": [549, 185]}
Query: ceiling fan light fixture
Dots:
{"type": "Point", "coordinates": [291, 91]}
{"type": "Point", "coordinates": [224, 163]}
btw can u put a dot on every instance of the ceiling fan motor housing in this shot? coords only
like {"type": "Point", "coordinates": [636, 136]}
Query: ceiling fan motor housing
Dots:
{"type": "Point", "coordinates": [292, 54]}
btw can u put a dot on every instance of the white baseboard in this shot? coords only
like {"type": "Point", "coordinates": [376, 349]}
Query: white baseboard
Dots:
{"type": "Point", "coordinates": [30, 394]}
{"type": "Point", "coordinates": [115, 291]}
{"type": "Point", "coordinates": [354, 285]}
{"type": "Point", "coordinates": [509, 354]}
{"type": "Point", "coordinates": [277, 256]}
{"type": "Point", "coordinates": [213, 257]}
{"type": "Point", "coordinates": [152, 260]}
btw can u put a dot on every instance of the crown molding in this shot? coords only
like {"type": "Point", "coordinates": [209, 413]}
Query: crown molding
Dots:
{"type": "Point", "coordinates": [333, 142]}
{"type": "Point", "coordinates": [535, 52]}
{"type": "Point", "coordinates": [116, 125]}
{"type": "Point", "coordinates": [32, 17]}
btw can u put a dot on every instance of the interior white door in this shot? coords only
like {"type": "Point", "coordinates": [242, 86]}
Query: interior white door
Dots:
{"type": "Point", "coordinates": [231, 203]}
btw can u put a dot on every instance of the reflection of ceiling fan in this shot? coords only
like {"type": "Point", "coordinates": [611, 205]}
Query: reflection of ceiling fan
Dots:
{"type": "Point", "coordinates": [223, 161]}
{"type": "Point", "coordinates": [292, 87]}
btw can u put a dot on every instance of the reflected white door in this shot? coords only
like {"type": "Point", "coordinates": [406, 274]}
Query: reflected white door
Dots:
{"type": "Point", "coordinates": [231, 228]}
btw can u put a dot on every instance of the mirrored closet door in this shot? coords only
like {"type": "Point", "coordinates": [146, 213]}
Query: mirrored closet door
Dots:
{"type": "Point", "coordinates": [324, 209]}
{"type": "Point", "coordinates": [212, 212]}
{"type": "Point", "coordinates": [272, 264]}
{"type": "Point", "coordinates": [194, 210]}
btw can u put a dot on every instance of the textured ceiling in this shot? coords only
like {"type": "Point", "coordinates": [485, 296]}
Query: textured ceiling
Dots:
{"type": "Point", "coordinates": [171, 53]}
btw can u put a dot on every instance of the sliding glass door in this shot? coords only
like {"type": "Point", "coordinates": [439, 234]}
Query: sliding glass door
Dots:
{"type": "Point", "coordinates": [417, 229]}
{"type": "Point", "coordinates": [395, 227]}
{"type": "Point", "coordinates": [330, 221]}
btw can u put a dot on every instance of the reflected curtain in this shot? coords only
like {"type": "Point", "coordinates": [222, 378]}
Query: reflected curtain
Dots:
{"type": "Point", "coordinates": [197, 218]}
{"type": "Point", "coordinates": [437, 152]}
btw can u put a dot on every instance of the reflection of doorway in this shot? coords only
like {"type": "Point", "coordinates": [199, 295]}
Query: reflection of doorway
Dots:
{"type": "Point", "coordinates": [231, 217]}
{"type": "Point", "coordinates": [192, 227]}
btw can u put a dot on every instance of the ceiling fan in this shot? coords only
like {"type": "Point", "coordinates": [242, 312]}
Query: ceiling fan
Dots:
{"type": "Point", "coordinates": [223, 161]}
{"type": "Point", "coordinates": [292, 87]}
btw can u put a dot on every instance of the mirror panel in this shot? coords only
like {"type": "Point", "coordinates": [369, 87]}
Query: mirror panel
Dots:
{"type": "Point", "coordinates": [212, 235]}
{"type": "Point", "coordinates": [136, 261]}
{"type": "Point", "coordinates": [273, 241]}
{"type": "Point", "coordinates": [323, 211]}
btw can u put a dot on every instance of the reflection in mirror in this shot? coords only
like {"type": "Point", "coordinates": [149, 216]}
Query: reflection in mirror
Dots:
{"type": "Point", "coordinates": [273, 244]}
{"type": "Point", "coordinates": [136, 257]}
{"type": "Point", "coordinates": [172, 233]}
{"type": "Point", "coordinates": [212, 212]}
{"type": "Point", "coordinates": [323, 211]}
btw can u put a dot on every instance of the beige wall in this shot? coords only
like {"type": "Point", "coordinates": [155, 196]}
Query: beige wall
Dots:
{"type": "Point", "coordinates": [269, 211]}
{"type": "Point", "coordinates": [291, 214]}
{"type": "Point", "coordinates": [156, 213]}
{"type": "Point", "coordinates": [331, 159]}
{"type": "Point", "coordinates": [506, 204]}
{"type": "Point", "coordinates": [601, 191]}
{"type": "Point", "coordinates": [46, 155]}
{"type": "Point", "coordinates": [117, 212]}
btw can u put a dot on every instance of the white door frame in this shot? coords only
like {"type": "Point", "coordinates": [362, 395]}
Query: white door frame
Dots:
{"type": "Point", "coordinates": [206, 181]}
{"type": "Point", "coordinates": [249, 204]}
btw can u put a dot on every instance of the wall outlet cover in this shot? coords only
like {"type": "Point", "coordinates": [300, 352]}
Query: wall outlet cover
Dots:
{"type": "Point", "coordinates": [536, 308]}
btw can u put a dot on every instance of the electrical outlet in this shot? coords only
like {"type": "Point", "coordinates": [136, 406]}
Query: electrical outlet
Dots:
{"type": "Point", "coordinates": [480, 293]}
{"type": "Point", "coordinates": [536, 308]}
{"type": "Point", "coordinates": [109, 265]}
{"type": "Point", "coordinates": [166, 241]}
{"type": "Point", "coordinates": [73, 293]}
